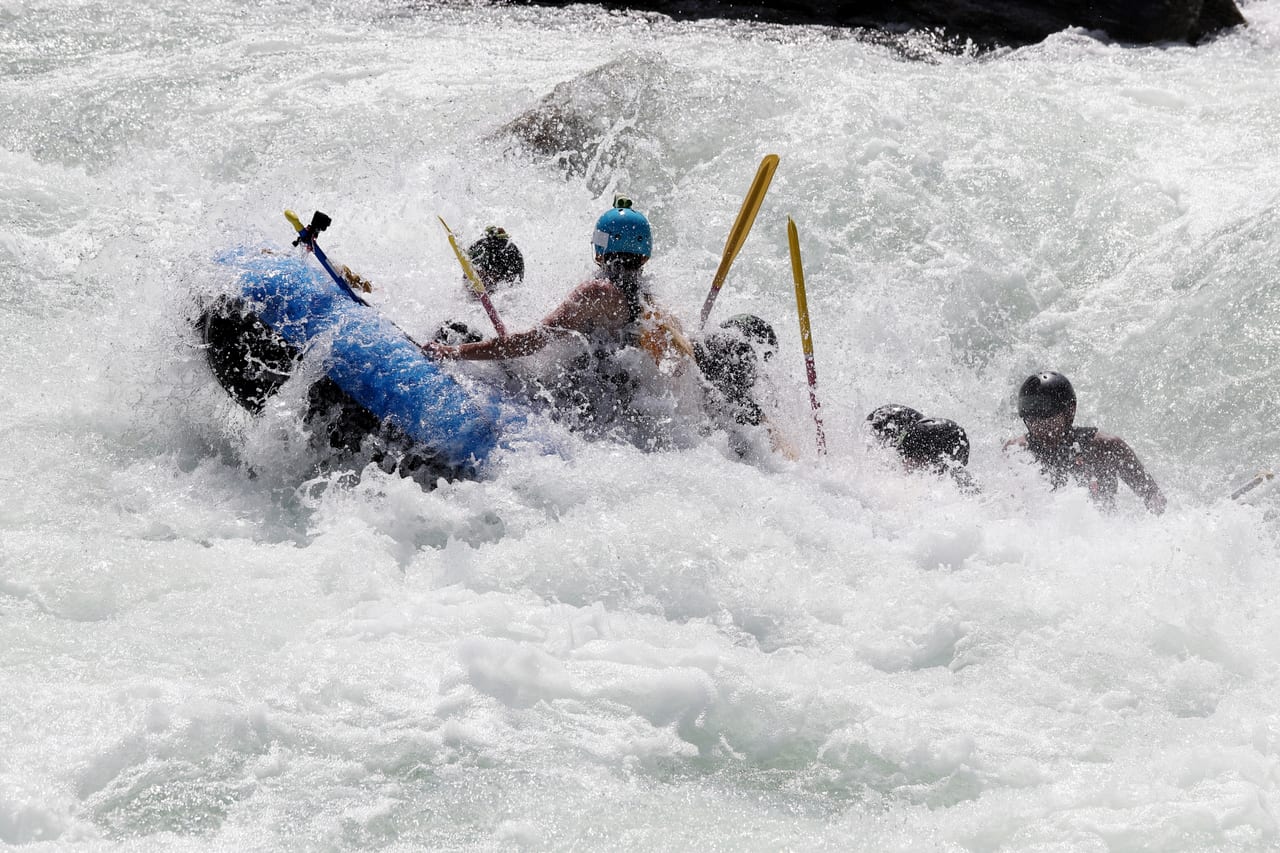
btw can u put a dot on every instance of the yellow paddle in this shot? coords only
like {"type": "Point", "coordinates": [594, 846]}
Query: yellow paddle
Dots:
{"type": "Point", "coordinates": [474, 279]}
{"type": "Point", "coordinates": [806, 336]}
{"type": "Point", "coordinates": [741, 228]}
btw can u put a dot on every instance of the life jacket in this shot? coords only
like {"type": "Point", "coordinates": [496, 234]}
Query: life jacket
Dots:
{"type": "Point", "coordinates": [595, 391]}
{"type": "Point", "coordinates": [592, 392]}
{"type": "Point", "coordinates": [656, 330]}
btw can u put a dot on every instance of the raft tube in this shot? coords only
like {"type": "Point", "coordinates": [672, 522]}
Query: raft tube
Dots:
{"type": "Point", "coordinates": [282, 308]}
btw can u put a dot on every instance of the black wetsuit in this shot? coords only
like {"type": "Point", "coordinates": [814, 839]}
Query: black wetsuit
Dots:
{"type": "Point", "coordinates": [729, 366]}
{"type": "Point", "coordinates": [734, 403]}
{"type": "Point", "coordinates": [1081, 459]}
{"type": "Point", "coordinates": [595, 389]}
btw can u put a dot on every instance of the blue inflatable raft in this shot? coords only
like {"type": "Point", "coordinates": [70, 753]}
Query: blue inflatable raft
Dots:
{"type": "Point", "coordinates": [377, 382]}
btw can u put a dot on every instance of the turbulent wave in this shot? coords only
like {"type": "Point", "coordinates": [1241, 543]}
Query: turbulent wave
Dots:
{"type": "Point", "coordinates": [208, 645]}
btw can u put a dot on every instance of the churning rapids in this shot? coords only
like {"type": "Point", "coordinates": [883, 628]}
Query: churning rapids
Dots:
{"type": "Point", "coordinates": [205, 646]}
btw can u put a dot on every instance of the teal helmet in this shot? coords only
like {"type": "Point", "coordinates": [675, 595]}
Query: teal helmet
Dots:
{"type": "Point", "coordinates": [622, 231]}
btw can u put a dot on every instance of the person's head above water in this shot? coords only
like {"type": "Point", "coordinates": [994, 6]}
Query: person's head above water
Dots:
{"type": "Point", "coordinates": [622, 235]}
{"type": "Point", "coordinates": [935, 444]}
{"type": "Point", "coordinates": [888, 422]}
{"type": "Point", "coordinates": [756, 332]}
{"type": "Point", "coordinates": [730, 357]}
{"type": "Point", "coordinates": [1047, 405]}
{"type": "Point", "coordinates": [496, 259]}
{"type": "Point", "coordinates": [1044, 395]}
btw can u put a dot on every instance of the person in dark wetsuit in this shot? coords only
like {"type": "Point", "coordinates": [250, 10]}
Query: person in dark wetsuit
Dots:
{"type": "Point", "coordinates": [729, 361]}
{"type": "Point", "coordinates": [1081, 455]}
{"type": "Point", "coordinates": [499, 265]}
{"type": "Point", "coordinates": [887, 423]}
{"type": "Point", "coordinates": [496, 260]}
{"type": "Point", "coordinates": [937, 445]}
{"type": "Point", "coordinates": [605, 312]}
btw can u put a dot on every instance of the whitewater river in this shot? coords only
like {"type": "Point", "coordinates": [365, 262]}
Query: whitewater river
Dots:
{"type": "Point", "coordinates": [204, 646]}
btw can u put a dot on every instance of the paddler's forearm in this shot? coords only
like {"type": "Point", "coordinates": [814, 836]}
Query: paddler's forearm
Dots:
{"type": "Point", "coordinates": [1136, 477]}
{"type": "Point", "coordinates": [512, 346]}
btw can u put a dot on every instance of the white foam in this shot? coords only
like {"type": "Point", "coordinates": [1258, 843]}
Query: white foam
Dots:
{"type": "Point", "coordinates": [206, 645]}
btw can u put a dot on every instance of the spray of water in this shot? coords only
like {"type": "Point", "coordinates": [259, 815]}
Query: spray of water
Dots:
{"type": "Point", "coordinates": [208, 645]}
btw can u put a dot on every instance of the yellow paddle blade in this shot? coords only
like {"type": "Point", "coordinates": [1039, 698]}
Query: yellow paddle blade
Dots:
{"type": "Point", "coordinates": [747, 214]}
{"type": "Point", "coordinates": [293, 220]}
{"type": "Point", "coordinates": [797, 272]}
{"type": "Point", "coordinates": [742, 227]}
{"type": "Point", "coordinates": [806, 337]}
{"type": "Point", "coordinates": [463, 260]}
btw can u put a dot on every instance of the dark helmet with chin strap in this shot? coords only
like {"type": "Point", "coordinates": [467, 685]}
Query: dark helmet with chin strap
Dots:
{"type": "Point", "coordinates": [496, 259]}
{"type": "Point", "coordinates": [889, 421]}
{"type": "Point", "coordinates": [756, 331]}
{"type": "Point", "coordinates": [729, 358]}
{"type": "Point", "coordinates": [1044, 395]}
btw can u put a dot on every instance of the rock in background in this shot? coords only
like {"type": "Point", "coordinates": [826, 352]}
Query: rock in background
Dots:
{"type": "Point", "coordinates": [988, 23]}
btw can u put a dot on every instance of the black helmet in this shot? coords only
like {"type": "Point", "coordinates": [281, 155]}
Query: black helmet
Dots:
{"type": "Point", "coordinates": [890, 420]}
{"type": "Point", "coordinates": [455, 332]}
{"type": "Point", "coordinates": [728, 362]}
{"type": "Point", "coordinates": [935, 443]}
{"type": "Point", "coordinates": [1044, 395]}
{"type": "Point", "coordinates": [496, 259]}
{"type": "Point", "coordinates": [754, 330]}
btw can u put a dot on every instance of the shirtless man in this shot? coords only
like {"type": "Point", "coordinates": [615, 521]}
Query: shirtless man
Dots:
{"type": "Point", "coordinates": [1083, 455]}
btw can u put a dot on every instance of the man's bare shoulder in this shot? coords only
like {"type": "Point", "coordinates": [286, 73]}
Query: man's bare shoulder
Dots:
{"type": "Point", "coordinates": [596, 288]}
{"type": "Point", "coordinates": [1107, 441]}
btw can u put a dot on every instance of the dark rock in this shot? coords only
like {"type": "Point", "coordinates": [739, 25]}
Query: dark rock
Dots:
{"type": "Point", "coordinates": [987, 23]}
{"type": "Point", "coordinates": [591, 126]}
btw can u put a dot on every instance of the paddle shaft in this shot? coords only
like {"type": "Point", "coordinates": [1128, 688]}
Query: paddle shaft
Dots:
{"type": "Point", "coordinates": [474, 280]}
{"type": "Point", "coordinates": [1252, 484]}
{"type": "Point", "coordinates": [741, 228]}
{"type": "Point", "coordinates": [806, 336]}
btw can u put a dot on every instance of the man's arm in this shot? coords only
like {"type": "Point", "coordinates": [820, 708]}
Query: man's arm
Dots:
{"type": "Point", "coordinates": [778, 441]}
{"type": "Point", "coordinates": [590, 305]}
{"type": "Point", "coordinates": [512, 346]}
{"type": "Point", "coordinates": [1120, 455]}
